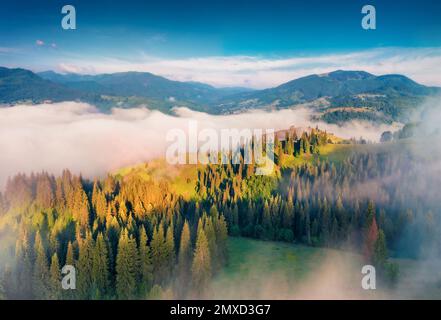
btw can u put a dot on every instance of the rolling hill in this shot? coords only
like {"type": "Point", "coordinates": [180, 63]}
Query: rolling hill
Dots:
{"type": "Point", "coordinates": [150, 89]}
{"type": "Point", "coordinates": [381, 98]}
{"type": "Point", "coordinates": [20, 85]}
{"type": "Point", "coordinates": [335, 97]}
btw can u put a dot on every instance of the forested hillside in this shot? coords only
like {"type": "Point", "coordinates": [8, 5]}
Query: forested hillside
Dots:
{"type": "Point", "coordinates": [335, 97]}
{"type": "Point", "coordinates": [127, 239]}
{"type": "Point", "coordinates": [131, 237]}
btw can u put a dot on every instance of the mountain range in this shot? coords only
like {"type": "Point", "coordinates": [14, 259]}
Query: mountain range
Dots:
{"type": "Point", "coordinates": [335, 97]}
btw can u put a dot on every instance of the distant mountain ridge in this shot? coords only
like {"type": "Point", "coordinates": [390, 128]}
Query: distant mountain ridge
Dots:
{"type": "Point", "coordinates": [388, 97]}
{"type": "Point", "coordinates": [134, 88]}
{"type": "Point", "coordinates": [21, 85]}
{"type": "Point", "coordinates": [337, 96]}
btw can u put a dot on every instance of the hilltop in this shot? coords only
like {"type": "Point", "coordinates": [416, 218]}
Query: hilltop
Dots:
{"type": "Point", "coordinates": [335, 97]}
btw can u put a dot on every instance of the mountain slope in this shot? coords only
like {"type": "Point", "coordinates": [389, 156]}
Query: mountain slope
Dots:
{"type": "Point", "coordinates": [21, 85]}
{"type": "Point", "coordinates": [145, 85]}
{"type": "Point", "coordinates": [335, 97]}
{"type": "Point", "coordinates": [384, 98]}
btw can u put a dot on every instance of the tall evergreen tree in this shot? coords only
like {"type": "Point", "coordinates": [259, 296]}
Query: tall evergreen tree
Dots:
{"type": "Point", "coordinates": [126, 267]}
{"type": "Point", "coordinates": [159, 259]}
{"type": "Point", "coordinates": [145, 260]}
{"type": "Point", "coordinates": [100, 268]}
{"type": "Point", "coordinates": [24, 265]}
{"type": "Point", "coordinates": [41, 270]}
{"type": "Point", "coordinates": [170, 252]}
{"type": "Point", "coordinates": [380, 255]}
{"type": "Point", "coordinates": [85, 267]}
{"type": "Point", "coordinates": [201, 267]}
{"type": "Point", "coordinates": [55, 279]}
{"type": "Point", "coordinates": [184, 259]}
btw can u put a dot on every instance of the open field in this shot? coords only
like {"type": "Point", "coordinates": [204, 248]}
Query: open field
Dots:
{"type": "Point", "coordinates": [274, 270]}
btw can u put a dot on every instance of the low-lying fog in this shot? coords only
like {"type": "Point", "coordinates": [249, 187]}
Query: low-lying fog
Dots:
{"type": "Point", "coordinates": [77, 136]}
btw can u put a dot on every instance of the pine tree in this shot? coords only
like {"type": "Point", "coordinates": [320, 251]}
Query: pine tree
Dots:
{"type": "Point", "coordinates": [81, 210]}
{"type": "Point", "coordinates": [126, 267]}
{"type": "Point", "coordinates": [201, 267]}
{"type": "Point", "coordinates": [379, 257]}
{"type": "Point", "coordinates": [85, 263]}
{"type": "Point", "coordinates": [158, 250]}
{"type": "Point", "coordinates": [99, 202]}
{"type": "Point", "coordinates": [211, 239]}
{"type": "Point", "coordinates": [184, 259]}
{"type": "Point", "coordinates": [266, 222]}
{"type": "Point", "coordinates": [55, 278]}
{"type": "Point", "coordinates": [41, 270]}
{"type": "Point", "coordinates": [69, 261]}
{"type": "Point", "coordinates": [307, 228]}
{"type": "Point", "coordinates": [24, 263]}
{"type": "Point", "coordinates": [145, 260]}
{"type": "Point", "coordinates": [170, 252]}
{"type": "Point", "coordinates": [370, 239]}
{"type": "Point", "coordinates": [221, 231]}
{"type": "Point", "coordinates": [100, 268]}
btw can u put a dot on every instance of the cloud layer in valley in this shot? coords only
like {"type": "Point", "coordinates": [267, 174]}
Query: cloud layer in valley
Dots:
{"type": "Point", "coordinates": [74, 135]}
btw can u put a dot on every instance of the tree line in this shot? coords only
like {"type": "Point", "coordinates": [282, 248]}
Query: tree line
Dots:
{"type": "Point", "coordinates": [127, 239]}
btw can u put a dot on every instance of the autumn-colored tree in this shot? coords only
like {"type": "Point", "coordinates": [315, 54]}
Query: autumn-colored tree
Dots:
{"type": "Point", "coordinates": [371, 235]}
{"type": "Point", "coordinates": [380, 255]}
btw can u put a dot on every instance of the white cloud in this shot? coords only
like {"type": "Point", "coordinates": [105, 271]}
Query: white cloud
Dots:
{"type": "Point", "coordinates": [73, 135]}
{"type": "Point", "coordinates": [421, 64]}
{"type": "Point", "coordinates": [39, 42]}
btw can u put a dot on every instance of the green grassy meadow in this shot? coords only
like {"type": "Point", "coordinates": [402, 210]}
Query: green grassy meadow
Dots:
{"type": "Point", "coordinates": [275, 270]}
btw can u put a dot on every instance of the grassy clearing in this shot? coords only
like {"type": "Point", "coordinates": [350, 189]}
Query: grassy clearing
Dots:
{"type": "Point", "coordinates": [249, 255]}
{"type": "Point", "coordinates": [181, 178]}
{"type": "Point", "coordinates": [274, 270]}
{"type": "Point", "coordinates": [332, 152]}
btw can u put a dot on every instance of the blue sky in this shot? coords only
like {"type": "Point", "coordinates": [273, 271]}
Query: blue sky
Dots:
{"type": "Point", "coordinates": [166, 37]}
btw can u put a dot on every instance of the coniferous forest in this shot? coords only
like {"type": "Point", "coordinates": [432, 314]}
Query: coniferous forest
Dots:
{"type": "Point", "coordinates": [131, 238]}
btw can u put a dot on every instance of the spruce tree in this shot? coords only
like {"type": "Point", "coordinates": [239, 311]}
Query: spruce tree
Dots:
{"type": "Point", "coordinates": [41, 271]}
{"type": "Point", "coordinates": [379, 257]}
{"type": "Point", "coordinates": [170, 252]}
{"type": "Point", "coordinates": [24, 265]}
{"type": "Point", "coordinates": [126, 267]}
{"type": "Point", "coordinates": [145, 261]}
{"type": "Point", "coordinates": [184, 260]}
{"type": "Point", "coordinates": [69, 261]}
{"type": "Point", "coordinates": [84, 266]}
{"type": "Point", "coordinates": [100, 268]}
{"type": "Point", "coordinates": [221, 240]}
{"type": "Point", "coordinates": [201, 266]}
{"type": "Point", "coordinates": [55, 278]}
{"type": "Point", "coordinates": [158, 250]}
